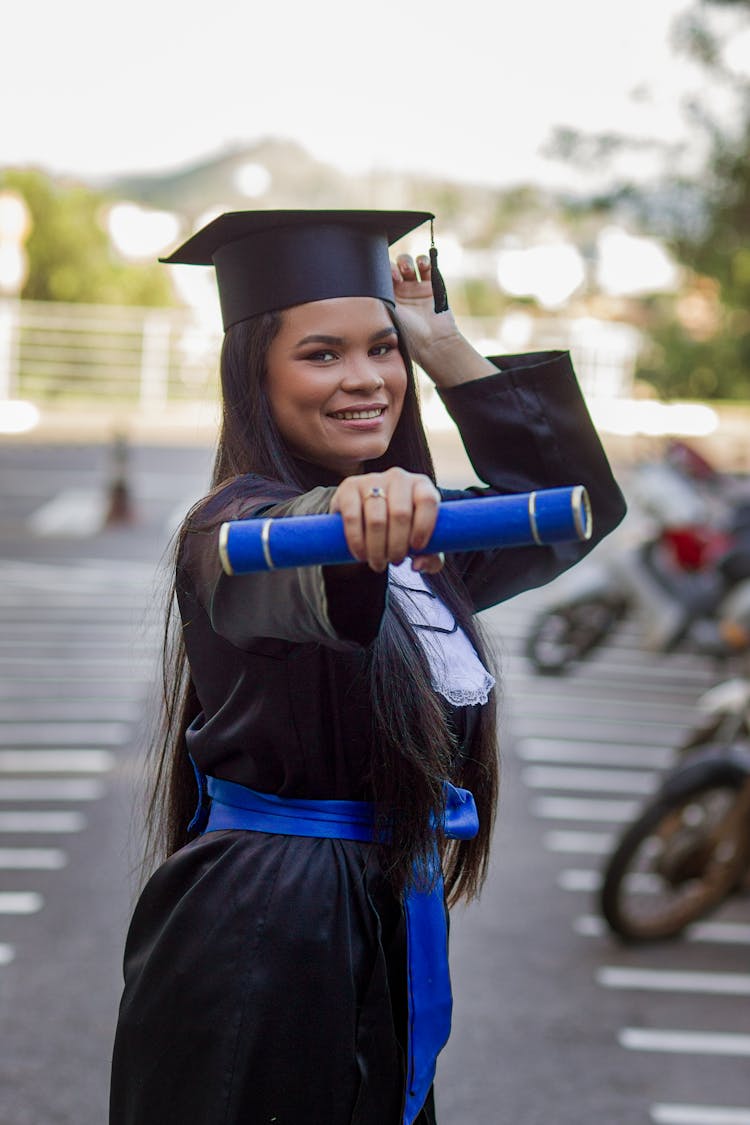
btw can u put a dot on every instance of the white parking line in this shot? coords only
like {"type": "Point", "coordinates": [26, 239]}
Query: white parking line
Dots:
{"type": "Point", "coordinates": [590, 780]}
{"type": "Point", "coordinates": [583, 808]}
{"type": "Point", "coordinates": [69, 710]}
{"type": "Point", "coordinates": [56, 761]}
{"type": "Point", "coordinates": [73, 512]}
{"type": "Point", "coordinates": [129, 665]}
{"type": "Point", "coordinates": [719, 933]}
{"type": "Point", "coordinates": [593, 754]}
{"type": "Point", "coordinates": [55, 686]}
{"type": "Point", "coordinates": [685, 1042]}
{"type": "Point", "coordinates": [578, 879]}
{"type": "Point", "coordinates": [68, 734]}
{"type": "Point", "coordinates": [595, 706]}
{"type": "Point", "coordinates": [571, 727]}
{"type": "Point", "coordinates": [667, 980]}
{"type": "Point", "coordinates": [52, 789]}
{"type": "Point", "coordinates": [584, 843]}
{"type": "Point", "coordinates": [675, 1114]}
{"type": "Point", "coordinates": [20, 902]}
{"type": "Point", "coordinates": [32, 859]}
{"type": "Point", "coordinates": [42, 822]}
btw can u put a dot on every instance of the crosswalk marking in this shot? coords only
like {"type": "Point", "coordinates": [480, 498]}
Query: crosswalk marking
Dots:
{"type": "Point", "coordinates": [590, 780]}
{"type": "Point", "coordinates": [674, 980]}
{"type": "Point", "coordinates": [577, 728]}
{"type": "Point", "coordinates": [50, 681]}
{"type": "Point", "coordinates": [68, 710]}
{"type": "Point", "coordinates": [56, 761]}
{"type": "Point", "coordinates": [32, 859]}
{"type": "Point", "coordinates": [20, 902]}
{"type": "Point", "coordinates": [64, 734]}
{"type": "Point", "coordinates": [580, 879]}
{"type": "Point", "coordinates": [78, 651]}
{"type": "Point", "coordinates": [59, 789]}
{"type": "Point", "coordinates": [594, 754]}
{"type": "Point", "coordinates": [72, 512]}
{"type": "Point", "coordinates": [720, 933]}
{"type": "Point", "coordinates": [583, 808]}
{"type": "Point", "coordinates": [685, 1042]}
{"type": "Point", "coordinates": [678, 1114]}
{"type": "Point", "coordinates": [586, 843]}
{"type": "Point", "coordinates": [43, 822]}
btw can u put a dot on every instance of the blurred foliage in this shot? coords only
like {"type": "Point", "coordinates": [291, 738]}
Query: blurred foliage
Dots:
{"type": "Point", "coordinates": [702, 342]}
{"type": "Point", "coordinates": [69, 252]}
{"type": "Point", "coordinates": [700, 336]}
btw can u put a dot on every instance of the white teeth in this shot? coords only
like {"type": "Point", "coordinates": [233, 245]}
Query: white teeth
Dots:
{"type": "Point", "coordinates": [349, 415]}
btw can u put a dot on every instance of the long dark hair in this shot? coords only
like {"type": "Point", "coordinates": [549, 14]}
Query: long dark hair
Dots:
{"type": "Point", "coordinates": [414, 745]}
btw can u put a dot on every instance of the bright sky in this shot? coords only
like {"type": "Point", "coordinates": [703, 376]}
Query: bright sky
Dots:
{"type": "Point", "coordinates": [470, 90]}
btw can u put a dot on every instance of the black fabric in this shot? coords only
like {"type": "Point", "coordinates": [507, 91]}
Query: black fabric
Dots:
{"type": "Point", "coordinates": [265, 975]}
{"type": "Point", "coordinates": [265, 986]}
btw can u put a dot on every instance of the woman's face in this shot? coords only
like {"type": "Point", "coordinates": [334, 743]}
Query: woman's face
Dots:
{"type": "Point", "coordinates": [336, 381]}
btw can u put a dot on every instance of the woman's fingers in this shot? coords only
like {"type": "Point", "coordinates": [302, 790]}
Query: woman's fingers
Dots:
{"type": "Point", "coordinates": [406, 267]}
{"type": "Point", "coordinates": [425, 500]}
{"type": "Point", "coordinates": [347, 501]}
{"type": "Point", "coordinates": [387, 515]}
{"type": "Point", "coordinates": [429, 564]}
{"type": "Point", "coordinates": [375, 517]}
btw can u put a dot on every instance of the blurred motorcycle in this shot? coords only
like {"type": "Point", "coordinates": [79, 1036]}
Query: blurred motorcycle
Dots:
{"type": "Point", "coordinates": [684, 546]}
{"type": "Point", "coordinates": [689, 849]}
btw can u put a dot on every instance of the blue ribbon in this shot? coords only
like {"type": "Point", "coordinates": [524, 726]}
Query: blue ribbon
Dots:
{"type": "Point", "coordinates": [235, 806]}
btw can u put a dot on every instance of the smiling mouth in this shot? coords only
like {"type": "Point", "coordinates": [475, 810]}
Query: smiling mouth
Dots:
{"type": "Point", "coordinates": [356, 415]}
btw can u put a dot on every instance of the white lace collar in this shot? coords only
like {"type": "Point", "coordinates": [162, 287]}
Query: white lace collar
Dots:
{"type": "Point", "coordinates": [456, 671]}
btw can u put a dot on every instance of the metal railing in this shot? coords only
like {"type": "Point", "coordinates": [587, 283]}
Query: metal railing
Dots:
{"type": "Point", "coordinates": [54, 353]}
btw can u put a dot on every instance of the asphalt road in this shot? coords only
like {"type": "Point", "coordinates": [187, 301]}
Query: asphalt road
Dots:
{"type": "Point", "coordinates": [555, 1024]}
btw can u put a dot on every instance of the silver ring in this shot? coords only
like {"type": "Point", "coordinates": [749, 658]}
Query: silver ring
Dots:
{"type": "Point", "coordinates": [375, 493]}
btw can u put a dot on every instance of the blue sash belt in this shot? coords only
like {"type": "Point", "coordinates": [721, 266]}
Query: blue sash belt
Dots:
{"type": "Point", "coordinates": [428, 982]}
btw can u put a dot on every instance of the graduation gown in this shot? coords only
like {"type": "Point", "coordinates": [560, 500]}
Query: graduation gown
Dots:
{"type": "Point", "coordinates": [265, 974]}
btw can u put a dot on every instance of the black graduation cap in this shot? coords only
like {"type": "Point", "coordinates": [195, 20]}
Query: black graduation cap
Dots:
{"type": "Point", "coordinates": [269, 260]}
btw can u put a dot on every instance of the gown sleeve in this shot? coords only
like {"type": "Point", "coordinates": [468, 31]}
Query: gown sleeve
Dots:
{"type": "Point", "coordinates": [527, 427]}
{"type": "Point", "coordinates": [339, 607]}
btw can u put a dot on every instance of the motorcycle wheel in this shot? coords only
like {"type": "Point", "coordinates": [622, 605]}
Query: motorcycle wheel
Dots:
{"type": "Point", "coordinates": [678, 861]}
{"type": "Point", "coordinates": [564, 634]}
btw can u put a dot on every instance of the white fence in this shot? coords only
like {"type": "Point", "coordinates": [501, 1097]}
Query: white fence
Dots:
{"type": "Point", "coordinates": [55, 353]}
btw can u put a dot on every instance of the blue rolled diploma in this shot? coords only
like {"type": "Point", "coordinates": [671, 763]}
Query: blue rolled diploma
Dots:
{"type": "Point", "coordinates": [549, 515]}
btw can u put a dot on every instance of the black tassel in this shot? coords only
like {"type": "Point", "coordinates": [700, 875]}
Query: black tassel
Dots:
{"type": "Point", "coordinates": [439, 292]}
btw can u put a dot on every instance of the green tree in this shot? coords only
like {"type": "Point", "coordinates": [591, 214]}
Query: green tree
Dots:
{"type": "Point", "coordinates": [69, 251]}
{"type": "Point", "coordinates": [706, 353]}
{"type": "Point", "coordinates": [700, 336]}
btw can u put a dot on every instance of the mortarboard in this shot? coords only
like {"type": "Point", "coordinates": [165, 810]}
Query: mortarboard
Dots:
{"type": "Point", "coordinates": [268, 260]}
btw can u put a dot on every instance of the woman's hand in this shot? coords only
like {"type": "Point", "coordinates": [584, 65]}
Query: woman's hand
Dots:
{"type": "Point", "coordinates": [412, 287]}
{"type": "Point", "coordinates": [433, 339]}
{"type": "Point", "coordinates": [387, 516]}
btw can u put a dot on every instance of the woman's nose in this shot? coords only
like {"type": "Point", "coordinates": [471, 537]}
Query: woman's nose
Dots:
{"type": "Point", "coordinates": [361, 374]}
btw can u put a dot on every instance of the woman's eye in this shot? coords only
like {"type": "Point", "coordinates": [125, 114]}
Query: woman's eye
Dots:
{"type": "Point", "coordinates": [321, 357]}
{"type": "Point", "coordinates": [382, 349]}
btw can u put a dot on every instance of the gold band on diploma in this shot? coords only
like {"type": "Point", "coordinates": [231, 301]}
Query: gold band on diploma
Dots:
{"type": "Point", "coordinates": [581, 505]}
{"type": "Point", "coordinates": [265, 540]}
{"type": "Point", "coordinates": [226, 566]}
{"type": "Point", "coordinates": [532, 518]}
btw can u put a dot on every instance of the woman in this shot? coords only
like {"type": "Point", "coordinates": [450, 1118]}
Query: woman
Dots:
{"type": "Point", "coordinates": [294, 970]}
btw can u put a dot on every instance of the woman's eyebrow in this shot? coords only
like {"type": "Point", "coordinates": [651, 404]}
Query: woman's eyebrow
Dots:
{"type": "Point", "coordinates": [339, 341]}
{"type": "Point", "coordinates": [319, 339]}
